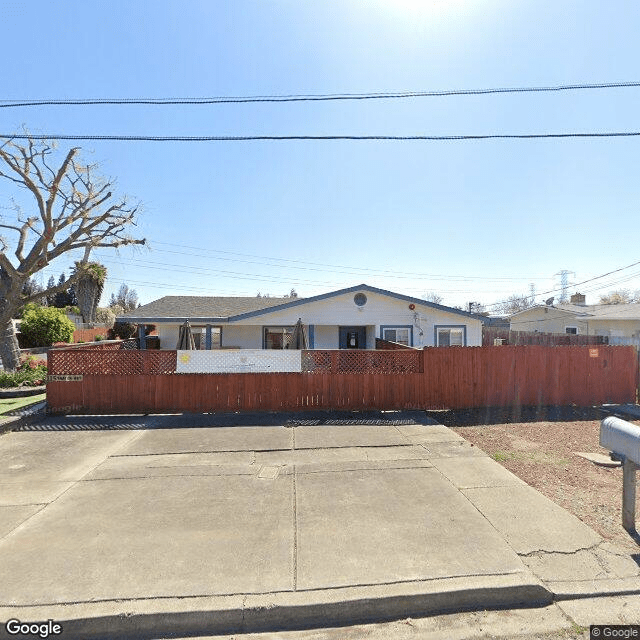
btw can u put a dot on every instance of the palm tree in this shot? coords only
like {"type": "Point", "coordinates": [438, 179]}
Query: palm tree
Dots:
{"type": "Point", "coordinates": [89, 288]}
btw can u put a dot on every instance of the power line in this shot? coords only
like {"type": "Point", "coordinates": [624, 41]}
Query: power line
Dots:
{"type": "Point", "coordinates": [314, 97]}
{"type": "Point", "coordinates": [577, 284]}
{"type": "Point", "coordinates": [496, 136]}
{"type": "Point", "coordinates": [350, 270]}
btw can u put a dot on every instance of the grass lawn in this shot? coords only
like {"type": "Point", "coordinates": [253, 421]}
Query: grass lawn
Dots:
{"type": "Point", "coordinates": [11, 404]}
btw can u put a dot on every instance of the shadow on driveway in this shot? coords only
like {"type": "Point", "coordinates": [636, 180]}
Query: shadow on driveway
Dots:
{"type": "Point", "coordinates": [199, 420]}
{"type": "Point", "coordinates": [506, 415]}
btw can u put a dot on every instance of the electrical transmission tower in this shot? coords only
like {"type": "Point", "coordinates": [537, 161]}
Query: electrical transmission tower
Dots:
{"type": "Point", "coordinates": [564, 283]}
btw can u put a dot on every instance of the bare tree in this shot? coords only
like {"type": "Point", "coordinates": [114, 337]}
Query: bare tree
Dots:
{"type": "Point", "coordinates": [432, 296]}
{"type": "Point", "coordinates": [74, 211]}
{"type": "Point", "coordinates": [621, 296]}
{"type": "Point", "coordinates": [513, 304]}
{"type": "Point", "coordinates": [125, 298]}
{"type": "Point", "coordinates": [478, 308]}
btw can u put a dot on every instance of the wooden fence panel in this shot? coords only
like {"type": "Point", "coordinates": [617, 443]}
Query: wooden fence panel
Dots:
{"type": "Point", "coordinates": [455, 378]}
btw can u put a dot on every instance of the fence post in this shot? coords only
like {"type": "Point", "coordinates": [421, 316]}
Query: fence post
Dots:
{"type": "Point", "coordinates": [334, 361]}
{"type": "Point", "coordinates": [629, 495]}
{"type": "Point", "coordinates": [142, 336]}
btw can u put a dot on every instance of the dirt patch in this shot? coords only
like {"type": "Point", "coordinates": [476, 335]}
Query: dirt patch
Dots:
{"type": "Point", "coordinates": [542, 452]}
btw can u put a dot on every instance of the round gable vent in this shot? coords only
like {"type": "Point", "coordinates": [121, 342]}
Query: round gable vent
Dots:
{"type": "Point", "coordinates": [360, 299]}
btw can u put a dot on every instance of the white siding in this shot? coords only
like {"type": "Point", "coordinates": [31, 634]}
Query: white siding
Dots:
{"type": "Point", "coordinates": [168, 334]}
{"type": "Point", "coordinates": [241, 336]}
{"type": "Point", "coordinates": [615, 328]}
{"type": "Point", "coordinates": [325, 337]}
{"type": "Point", "coordinates": [331, 313]}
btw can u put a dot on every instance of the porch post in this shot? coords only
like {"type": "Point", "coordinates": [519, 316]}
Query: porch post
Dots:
{"type": "Point", "coordinates": [142, 336]}
{"type": "Point", "coordinates": [207, 339]}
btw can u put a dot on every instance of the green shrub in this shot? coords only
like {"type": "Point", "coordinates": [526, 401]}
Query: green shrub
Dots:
{"type": "Point", "coordinates": [98, 338]}
{"type": "Point", "coordinates": [45, 325]}
{"type": "Point", "coordinates": [32, 372]}
{"type": "Point", "coordinates": [30, 306]}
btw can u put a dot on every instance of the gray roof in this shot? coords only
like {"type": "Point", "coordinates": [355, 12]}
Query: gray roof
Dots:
{"type": "Point", "coordinates": [202, 307]}
{"type": "Point", "coordinates": [605, 311]}
{"type": "Point", "coordinates": [593, 311]}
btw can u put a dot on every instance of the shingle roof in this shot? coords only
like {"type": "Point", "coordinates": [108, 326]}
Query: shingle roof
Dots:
{"type": "Point", "coordinates": [203, 306]}
{"type": "Point", "coordinates": [593, 311]}
{"type": "Point", "coordinates": [605, 311]}
{"type": "Point", "coordinates": [211, 309]}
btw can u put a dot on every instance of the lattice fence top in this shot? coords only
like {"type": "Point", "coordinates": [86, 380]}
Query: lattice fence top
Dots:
{"type": "Point", "coordinates": [134, 362]}
{"type": "Point", "coordinates": [121, 362]}
{"type": "Point", "coordinates": [362, 361]}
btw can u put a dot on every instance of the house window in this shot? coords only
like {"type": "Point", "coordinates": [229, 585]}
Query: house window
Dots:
{"type": "Point", "coordinates": [396, 334]}
{"type": "Point", "coordinates": [200, 337]}
{"type": "Point", "coordinates": [450, 336]}
{"type": "Point", "coordinates": [277, 337]}
{"type": "Point", "coordinates": [572, 330]}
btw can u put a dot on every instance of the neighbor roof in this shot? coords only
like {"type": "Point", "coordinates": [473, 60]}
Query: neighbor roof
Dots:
{"type": "Point", "coordinates": [606, 311]}
{"type": "Point", "coordinates": [593, 311]}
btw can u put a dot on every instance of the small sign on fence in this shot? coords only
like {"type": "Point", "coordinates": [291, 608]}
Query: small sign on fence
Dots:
{"type": "Point", "coordinates": [593, 353]}
{"type": "Point", "coordinates": [64, 378]}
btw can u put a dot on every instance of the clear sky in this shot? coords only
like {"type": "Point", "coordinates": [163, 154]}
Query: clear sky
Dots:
{"type": "Point", "coordinates": [469, 220]}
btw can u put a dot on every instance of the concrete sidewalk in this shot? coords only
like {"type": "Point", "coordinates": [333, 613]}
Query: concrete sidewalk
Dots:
{"type": "Point", "coordinates": [125, 526]}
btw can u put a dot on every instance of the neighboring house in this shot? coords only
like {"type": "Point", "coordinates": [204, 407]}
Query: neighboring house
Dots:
{"type": "Point", "coordinates": [347, 318]}
{"type": "Point", "coordinates": [619, 322]}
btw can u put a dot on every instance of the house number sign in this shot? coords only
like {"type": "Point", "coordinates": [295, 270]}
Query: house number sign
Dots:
{"type": "Point", "coordinates": [64, 378]}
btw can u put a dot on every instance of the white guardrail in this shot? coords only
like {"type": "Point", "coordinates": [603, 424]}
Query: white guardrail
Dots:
{"type": "Point", "coordinates": [623, 439]}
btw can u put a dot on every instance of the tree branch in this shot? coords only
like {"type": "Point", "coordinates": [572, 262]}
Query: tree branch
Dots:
{"type": "Point", "coordinates": [55, 185]}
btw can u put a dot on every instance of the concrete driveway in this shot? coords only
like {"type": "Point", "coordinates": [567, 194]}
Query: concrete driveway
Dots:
{"type": "Point", "coordinates": [189, 525]}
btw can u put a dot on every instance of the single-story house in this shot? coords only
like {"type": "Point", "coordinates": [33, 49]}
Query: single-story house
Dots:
{"type": "Point", "coordinates": [620, 322]}
{"type": "Point", "coordinates": [347, 318]}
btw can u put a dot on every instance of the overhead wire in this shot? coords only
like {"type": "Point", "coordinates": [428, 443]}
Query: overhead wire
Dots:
{"type": "Point", "coordinates": [349, 270]}
{"type": "Point", "coordinates": [338, 137]}
{"type": "Point", "coordinates": [6, 103]}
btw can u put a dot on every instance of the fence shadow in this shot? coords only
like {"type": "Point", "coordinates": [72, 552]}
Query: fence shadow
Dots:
{"type": "Point", "coordinates": [506, 415]}
{"type": "Point", "coordinates": [200, 420]}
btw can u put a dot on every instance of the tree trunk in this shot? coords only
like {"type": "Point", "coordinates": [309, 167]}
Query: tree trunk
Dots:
{"type": "Point", "coordinates": [85, 293]}
{"type": "Point", "coordinates": [9, 349]}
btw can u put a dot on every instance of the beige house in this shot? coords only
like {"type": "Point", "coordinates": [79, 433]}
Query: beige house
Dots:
{"type": "Point", "coordinates": [619, 322]}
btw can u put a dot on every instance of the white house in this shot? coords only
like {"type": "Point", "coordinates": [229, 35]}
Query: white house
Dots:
{"type": "Point", "coordinates": [619, 322]}
{"type": "Point", "coordinates": [347, 318]}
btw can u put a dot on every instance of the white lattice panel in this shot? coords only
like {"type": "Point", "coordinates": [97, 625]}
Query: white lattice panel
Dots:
{"type": "Point", "coordinates": [240, 361]}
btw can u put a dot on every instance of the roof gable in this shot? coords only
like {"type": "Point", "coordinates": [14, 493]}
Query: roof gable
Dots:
{"type": "Point", "coordinates": [359, 288]}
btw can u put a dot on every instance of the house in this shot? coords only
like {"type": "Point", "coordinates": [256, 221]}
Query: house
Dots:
{"type": "Point", "coordinates": [347, 318]}
{"type": "Point", "coordinates": [619, 322]}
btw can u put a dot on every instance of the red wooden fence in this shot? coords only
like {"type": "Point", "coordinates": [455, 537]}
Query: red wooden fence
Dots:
{"type": "Point", "coordinates": [453, 378]}
{"type": "Point", "coordinates": [520, 338]}
{"type": "Point", "coordinates": [89, 335]}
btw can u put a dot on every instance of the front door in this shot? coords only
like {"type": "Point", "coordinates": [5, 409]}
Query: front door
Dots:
{"type": "Point", "coordinates": [353, 337]}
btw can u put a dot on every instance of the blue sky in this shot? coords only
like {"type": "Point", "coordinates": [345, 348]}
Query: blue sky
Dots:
{"type": "Point", "coordinates": [469, 220]}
